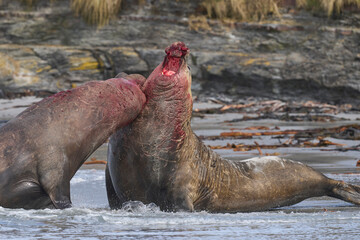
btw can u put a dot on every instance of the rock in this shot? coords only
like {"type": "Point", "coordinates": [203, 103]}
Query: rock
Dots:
{"type": "Point", "coordinates": [126, 59]}
{"type": "Point", "coordinates": [298, 56]}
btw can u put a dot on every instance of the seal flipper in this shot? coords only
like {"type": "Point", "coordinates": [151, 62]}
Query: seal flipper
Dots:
{"type": "Point", "coordinates": [183, 201]}
{"type": "Point", "coordinates": [60, 197]}
{"type": "Point", "coordinates": [27, 195]}
{"type": "Point", "coordinates": [347, 192]}
{"type": "Point", "coordinates": [184, 204]}
{"type": "Point", "coordinates": [113, 199]}
{"type": "Point", "coordinates": [56, 184]}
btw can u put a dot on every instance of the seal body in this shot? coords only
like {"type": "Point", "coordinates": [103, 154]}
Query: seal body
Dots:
{"type": "Point", "coordinates": [42, 148]}
{"type": "Point", "coordinates": [157, 158]}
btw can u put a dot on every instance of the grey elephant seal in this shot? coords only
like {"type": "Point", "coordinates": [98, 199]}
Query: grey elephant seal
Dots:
{"type": "Point", "coordinates": [157, 158]}
{"type": "Point", "coordinates": [43, 147]}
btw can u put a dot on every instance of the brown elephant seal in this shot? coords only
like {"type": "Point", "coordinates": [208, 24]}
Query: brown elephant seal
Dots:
{"type": "Point", "coordinates": [42, 148]}
{"type": "Point", "coordinates": [157, 158]}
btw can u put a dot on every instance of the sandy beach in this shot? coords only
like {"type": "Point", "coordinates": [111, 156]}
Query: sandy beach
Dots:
{"type": "Point", "coordinates": [9, 108]}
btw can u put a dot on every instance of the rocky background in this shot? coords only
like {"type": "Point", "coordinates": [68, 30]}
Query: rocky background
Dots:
{"type": "Point", "coordinates": [47, 49]}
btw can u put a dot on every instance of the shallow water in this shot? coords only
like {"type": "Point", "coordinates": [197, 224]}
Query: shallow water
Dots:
{"type": "Point", "coordinates": [91, 218]}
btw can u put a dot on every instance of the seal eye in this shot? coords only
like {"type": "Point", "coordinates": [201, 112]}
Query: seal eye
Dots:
{"type": "Point", "coordinates": [189, 67]}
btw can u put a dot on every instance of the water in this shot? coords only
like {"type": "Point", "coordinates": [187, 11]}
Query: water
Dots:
{"type": "Point", "coordinates": [91, 218]}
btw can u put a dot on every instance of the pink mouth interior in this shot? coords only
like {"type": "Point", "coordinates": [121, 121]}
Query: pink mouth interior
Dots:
{"type": "Point", "coordinates": [167, 72]}
{"type": "Point", "coordinates": [174, 57]}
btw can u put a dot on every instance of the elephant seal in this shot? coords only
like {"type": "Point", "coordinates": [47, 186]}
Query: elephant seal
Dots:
{"type": "Point", "coordinates": [42, 148]}
{"type": "Point", "coordinates": [157, 158]}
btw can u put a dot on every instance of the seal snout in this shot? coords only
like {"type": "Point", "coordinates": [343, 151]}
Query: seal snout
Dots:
{"type": "Point", "coordinates": [177, 49]}
{"type": "Point", "coordinates": [174, 59]}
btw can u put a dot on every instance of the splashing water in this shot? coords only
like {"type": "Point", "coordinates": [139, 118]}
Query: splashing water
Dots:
{"type": "Point", "coordinates": [91, 218]}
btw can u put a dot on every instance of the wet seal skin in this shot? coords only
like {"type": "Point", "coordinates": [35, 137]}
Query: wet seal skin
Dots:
{"type": "Point", "coordinates": [42, 148]}
{"type": "Point", "coordinates": [157, 158]}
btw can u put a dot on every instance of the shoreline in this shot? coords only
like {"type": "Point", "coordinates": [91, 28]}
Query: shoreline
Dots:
{"type": "Point", "coordinates": [10, 108]}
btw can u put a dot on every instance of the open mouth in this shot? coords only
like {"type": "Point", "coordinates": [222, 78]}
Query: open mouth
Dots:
{"type": "Point", "coordinates": [167, 72]}
{"type": "Point", "coordinates": [175, 56]}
